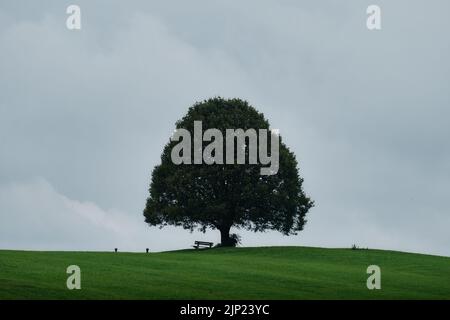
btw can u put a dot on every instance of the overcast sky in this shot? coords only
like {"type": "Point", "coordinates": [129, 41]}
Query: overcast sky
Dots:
{"type": "Point", "coordinates": [84, 115]}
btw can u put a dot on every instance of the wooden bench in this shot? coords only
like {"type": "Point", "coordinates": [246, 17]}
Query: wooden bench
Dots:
{"type": "Point", "coordinates": [198, 244]}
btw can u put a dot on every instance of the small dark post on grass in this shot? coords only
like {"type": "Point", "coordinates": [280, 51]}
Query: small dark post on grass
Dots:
{"type": "Point", "coordinates": [115, 249]}
{"type": "Point", "coordinates": [146, 250]}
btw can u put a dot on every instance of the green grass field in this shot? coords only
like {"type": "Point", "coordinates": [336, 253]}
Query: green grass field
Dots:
{"type": "Point", "coordinates": [225, 273]}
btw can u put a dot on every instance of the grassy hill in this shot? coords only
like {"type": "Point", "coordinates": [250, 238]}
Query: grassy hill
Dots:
{"type": "Point", "coordinates": [225, 273]}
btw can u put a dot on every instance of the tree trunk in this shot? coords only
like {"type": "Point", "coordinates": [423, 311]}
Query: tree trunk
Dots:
{"type": "Point", "coordinates": [225, 240]}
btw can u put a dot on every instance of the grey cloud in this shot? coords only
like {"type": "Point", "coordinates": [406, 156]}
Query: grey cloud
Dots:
{"type": "Point", "coordinates": [365, 112]}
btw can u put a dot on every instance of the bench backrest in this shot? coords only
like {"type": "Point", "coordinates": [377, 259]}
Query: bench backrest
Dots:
{"type": "Point", "coordinates": [203, 242]}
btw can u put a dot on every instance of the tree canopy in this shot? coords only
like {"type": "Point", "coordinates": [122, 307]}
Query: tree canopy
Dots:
{"type": "Point", "coordinates": [222, 196]}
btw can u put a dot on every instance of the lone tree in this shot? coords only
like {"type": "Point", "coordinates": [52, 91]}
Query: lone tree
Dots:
{"type": "Point", "coordinates": [221, 196]}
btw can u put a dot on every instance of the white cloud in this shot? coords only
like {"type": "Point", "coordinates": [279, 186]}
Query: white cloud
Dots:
{"type": "Point", "coordinates": [33, 215]}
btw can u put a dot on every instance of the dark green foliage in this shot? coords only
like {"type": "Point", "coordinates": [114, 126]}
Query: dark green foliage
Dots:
{"type": "Point", "coordinates": [224, 196]}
